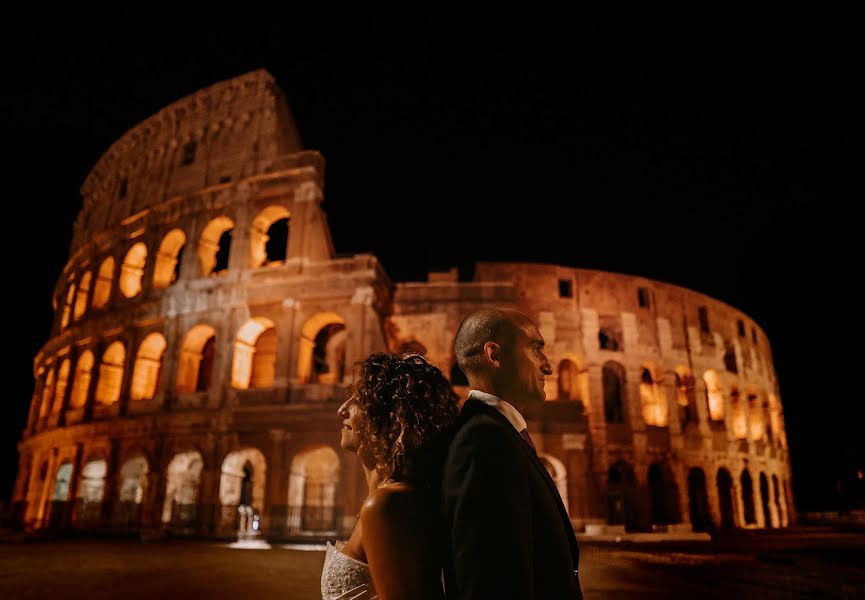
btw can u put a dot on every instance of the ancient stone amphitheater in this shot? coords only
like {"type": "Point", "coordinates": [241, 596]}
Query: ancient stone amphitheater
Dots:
{"type": "Point", "coordinates": [205, 333]}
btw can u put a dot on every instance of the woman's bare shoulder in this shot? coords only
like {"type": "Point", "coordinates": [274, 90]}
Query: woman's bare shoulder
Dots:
{"type": "Point", "coordinates": [394, 501]}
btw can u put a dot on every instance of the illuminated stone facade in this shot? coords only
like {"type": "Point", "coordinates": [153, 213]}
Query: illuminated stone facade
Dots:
{"type": "Point", "coordinates": [205, 332]}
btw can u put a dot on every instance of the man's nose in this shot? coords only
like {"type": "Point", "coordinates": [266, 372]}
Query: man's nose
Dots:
{"type": "Point", "coordinates": [546, 368]}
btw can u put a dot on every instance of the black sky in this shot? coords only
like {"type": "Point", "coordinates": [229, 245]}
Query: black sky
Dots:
{"type": "Point", "coordinates": [728, 172]}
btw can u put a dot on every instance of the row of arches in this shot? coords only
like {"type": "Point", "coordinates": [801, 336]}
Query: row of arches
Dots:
{"type": "Point", "coordinates": [736, 503]}
{"type": "Point", "coordinates": [268, 244]}
{"type": "Point", "coordinates": [310, 506]}
{"type": "Point", "coordinates": [321, 359]}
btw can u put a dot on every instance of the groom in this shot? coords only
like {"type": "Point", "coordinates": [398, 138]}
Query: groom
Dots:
{"type": "Point", "coordinates": [508, 534]}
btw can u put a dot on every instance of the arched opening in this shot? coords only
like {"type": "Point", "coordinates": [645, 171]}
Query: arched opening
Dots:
{"type": "Point", "coordinates": [768, 520]}
{"type": "Point", "coordinates": [321, 356]}
{"type": "Point", "coordinates": [725, 498]}
{"type": "Point", "coordinates": [91, 489]}
{"type": "Point", "coordinates": [81, 380]}
{"type": "Point", "coordinates": [111, 374]}
{"type": "Point", "coordinates": [748, 498]}
{"type": "Point", "coordinates": [168, 257]}
{"type": "Point", "coordinates": [102, 289]}
{"type": "Point", "coordinates": [686, 398]}
{"type": "Point", "coordinates": [559, 475]}
{"type": "Point", "coordinates": [757, 426]}
{"type": "Point", "coordinates": [622, 496]}
{"type": "Point", "coordinates": [241, 484]}
{"type": "Point", "coordinates": [652, 399]}
{"type": "Point", "coordinates": [47, 393]}
{"type": "Point", "coordinates": [777, 421]}
{"type": "Point", "coordinates": [60, 387]}
{"type": "Point", "coordinates": [613, 377]}
{"type": "Point", "coordinates": [58, 512]}
{"type": "Point", "coordinates": [181, 491]}
{"type": "Point", "coordinates": [313, 479]}
{"type": "Point", "coordinates": [573, 381]}
{"type": "Point", "coordinates": [81, 296]}
{"type": "Point", "coordinates": [67, 306]}
{"type": "Point", "coordinates": [254, 362]}
{"type": "Point", "coordinates": [698, 500]}
{"type": "Point", "coordinates": [215, 246]}
{"type": "Point", "coordinates": [196, 359]}
{"type": "Point", "coordinates": [715, 395]}
{"type": "Point", "coordinates": [458, 378]}
{"type": "Point", "coordinates": [133, 482]}
{"type": "Point", "coordinates": [132, 270]}
{"type": "Point", "coordinates": [664, 494]}
{"type": "Point", "coordinates": [148, 362]}
{"type": "Point", "coordinates": [737, 408]}
{"type": "Point", "coordinates": [779, 503]}
{"type": "Point", "coordinates": [268, 237]}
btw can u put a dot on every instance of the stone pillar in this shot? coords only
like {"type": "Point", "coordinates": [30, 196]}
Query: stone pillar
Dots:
{"type": "Point", "coordinates": [277, 487]}
{"type": "Point", "coordinates": [134, 339]}
{"type": "Point", "coordinates": [110, 489]}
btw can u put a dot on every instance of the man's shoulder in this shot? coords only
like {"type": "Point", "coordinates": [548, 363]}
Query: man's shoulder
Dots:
{"type": "Point", "coordinates": [481, 425]}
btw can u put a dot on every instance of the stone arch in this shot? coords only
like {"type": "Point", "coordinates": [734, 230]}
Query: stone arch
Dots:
{"type": "Point", "coordinates": [714, 395]}
{"type": "Point", "coordinates": [573, 380]}
{"type": "Point", "coordinates": [60, 385]}
{"type": "Point", "coordinates": [559, 475]}
{"type": "Point", "coordinates": [622, 505]}
{"type": "Point", "coordinates": [67, 305]}
{"type": "Point", "coordinates": [130, 493]}
{"type": "Point", "coordinates": [756, 419]}
{"type": "Point", "coordinates": [768, 520]}
{"type": "Point", "coordinates": [663, 494]}
{"type": "Point", "coordinates": [195, 365]}
{"type": "Point", "coordinates": [91, 490]}
{"type": "Point", "coordinates": [81, 380]}
{"type": "Point", "coordinates": [215, 246]}
{"type": "Point", "coordinates": [686, 398]}
{"type": "Point", "coordinates": [148, 363]}
{"type": "Point", "coordinates": [168, 259]}
{"type": "Point", "coordinates": [313, 480]}
{"type": "Point", "coordinates": [748, 497]}
{"type": "Point", "coordinates": [698, 500]}
{"type": "Point", "coordinates": [652, 398]}
{"type": "Point", "coordinates": [321, 355]}
{"type": "Point", "coordinates": [132, 270]}
{"type": "Point", "coordinates": [111, 374]}
{"type": "Point", "coordinates": [254, 361]}
{"type": "Point", "coordinates": [725, 498]}
{"type": "Point", "coordinates": [81, 296]}
{"type": "Point", "coordinates": [780, 505]}
{"type": "Point", "coordinates": [47, 392]}
{"type": "Point", "coordinates": [242, 480]}
{"type": "Point", "coordinates": [271, 222]}
{"type": "Point", "coordinates": [62, 481]}
{"type": "Point", "coordinates": [183, 477]}
{"type": "Point", "coordinates": [737, 410]}
{"type": "Point", "coordinates": [104, 280]}
{"type": "Point", "coordinates": [613, 377]}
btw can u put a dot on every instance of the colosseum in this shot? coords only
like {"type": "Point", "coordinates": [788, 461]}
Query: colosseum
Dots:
{"type": "Point", "coordinates": [205, 333]}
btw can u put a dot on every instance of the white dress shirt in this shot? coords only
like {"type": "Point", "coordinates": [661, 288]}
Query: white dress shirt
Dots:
{"type": "Point", "coordinates": [507, 409]}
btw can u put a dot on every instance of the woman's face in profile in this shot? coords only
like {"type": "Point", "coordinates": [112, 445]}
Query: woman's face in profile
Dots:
{"type": "Point", "coordinates": [351, 424]}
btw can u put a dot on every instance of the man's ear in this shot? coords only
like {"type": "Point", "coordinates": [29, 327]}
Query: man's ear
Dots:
{"type": "Point", "coordinates": [492, 354]}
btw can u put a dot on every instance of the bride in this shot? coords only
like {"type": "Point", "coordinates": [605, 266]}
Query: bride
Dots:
{"type": "Point", "coordinates": [395, 419]}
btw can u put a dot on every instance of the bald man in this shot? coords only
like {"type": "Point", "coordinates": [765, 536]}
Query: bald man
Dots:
{"type": "Point", "coordinates": [508, 533]}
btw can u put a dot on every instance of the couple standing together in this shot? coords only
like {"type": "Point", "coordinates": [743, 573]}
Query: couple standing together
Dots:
{"type": "Point", "coordinates": [459, 505]}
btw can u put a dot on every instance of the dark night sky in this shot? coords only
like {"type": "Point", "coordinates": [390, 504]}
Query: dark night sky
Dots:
{"type": "Point", "coordinates": [725, 172]}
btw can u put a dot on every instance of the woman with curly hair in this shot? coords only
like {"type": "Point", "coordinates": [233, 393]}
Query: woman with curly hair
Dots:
{"type": "Point", "coordinates": [396, 419]}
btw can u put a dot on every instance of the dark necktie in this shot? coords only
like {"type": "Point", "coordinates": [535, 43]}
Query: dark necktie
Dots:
{"type": "Point", "coordinates": [528, 438]}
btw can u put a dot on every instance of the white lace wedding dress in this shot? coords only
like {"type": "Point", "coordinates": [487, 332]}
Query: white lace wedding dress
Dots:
{"type": "Point", "coordinates": [344, 577]}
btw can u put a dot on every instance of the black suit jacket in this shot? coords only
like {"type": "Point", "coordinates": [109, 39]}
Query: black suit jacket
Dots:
{"type": "Point", "coordinates": [506, 530]}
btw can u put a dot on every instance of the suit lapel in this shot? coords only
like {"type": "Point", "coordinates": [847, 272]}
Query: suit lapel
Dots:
{"type": "Point", "coordinates": [474, 406]}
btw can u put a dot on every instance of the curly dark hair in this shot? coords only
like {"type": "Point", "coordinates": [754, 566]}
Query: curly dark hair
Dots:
{"type": "Point", "coordinates": [407, 406]}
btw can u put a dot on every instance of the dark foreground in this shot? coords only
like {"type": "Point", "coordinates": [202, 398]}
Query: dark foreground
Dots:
{"type": "Point", "coordinates": [802, 564]}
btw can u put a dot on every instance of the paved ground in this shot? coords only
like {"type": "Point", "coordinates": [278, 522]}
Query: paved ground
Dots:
{"type": "Point", "coordinates": [806, 564]}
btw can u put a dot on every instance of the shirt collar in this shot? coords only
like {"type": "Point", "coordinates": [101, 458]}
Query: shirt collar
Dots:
{"type": "Point", "coordinates": [505, 408]}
